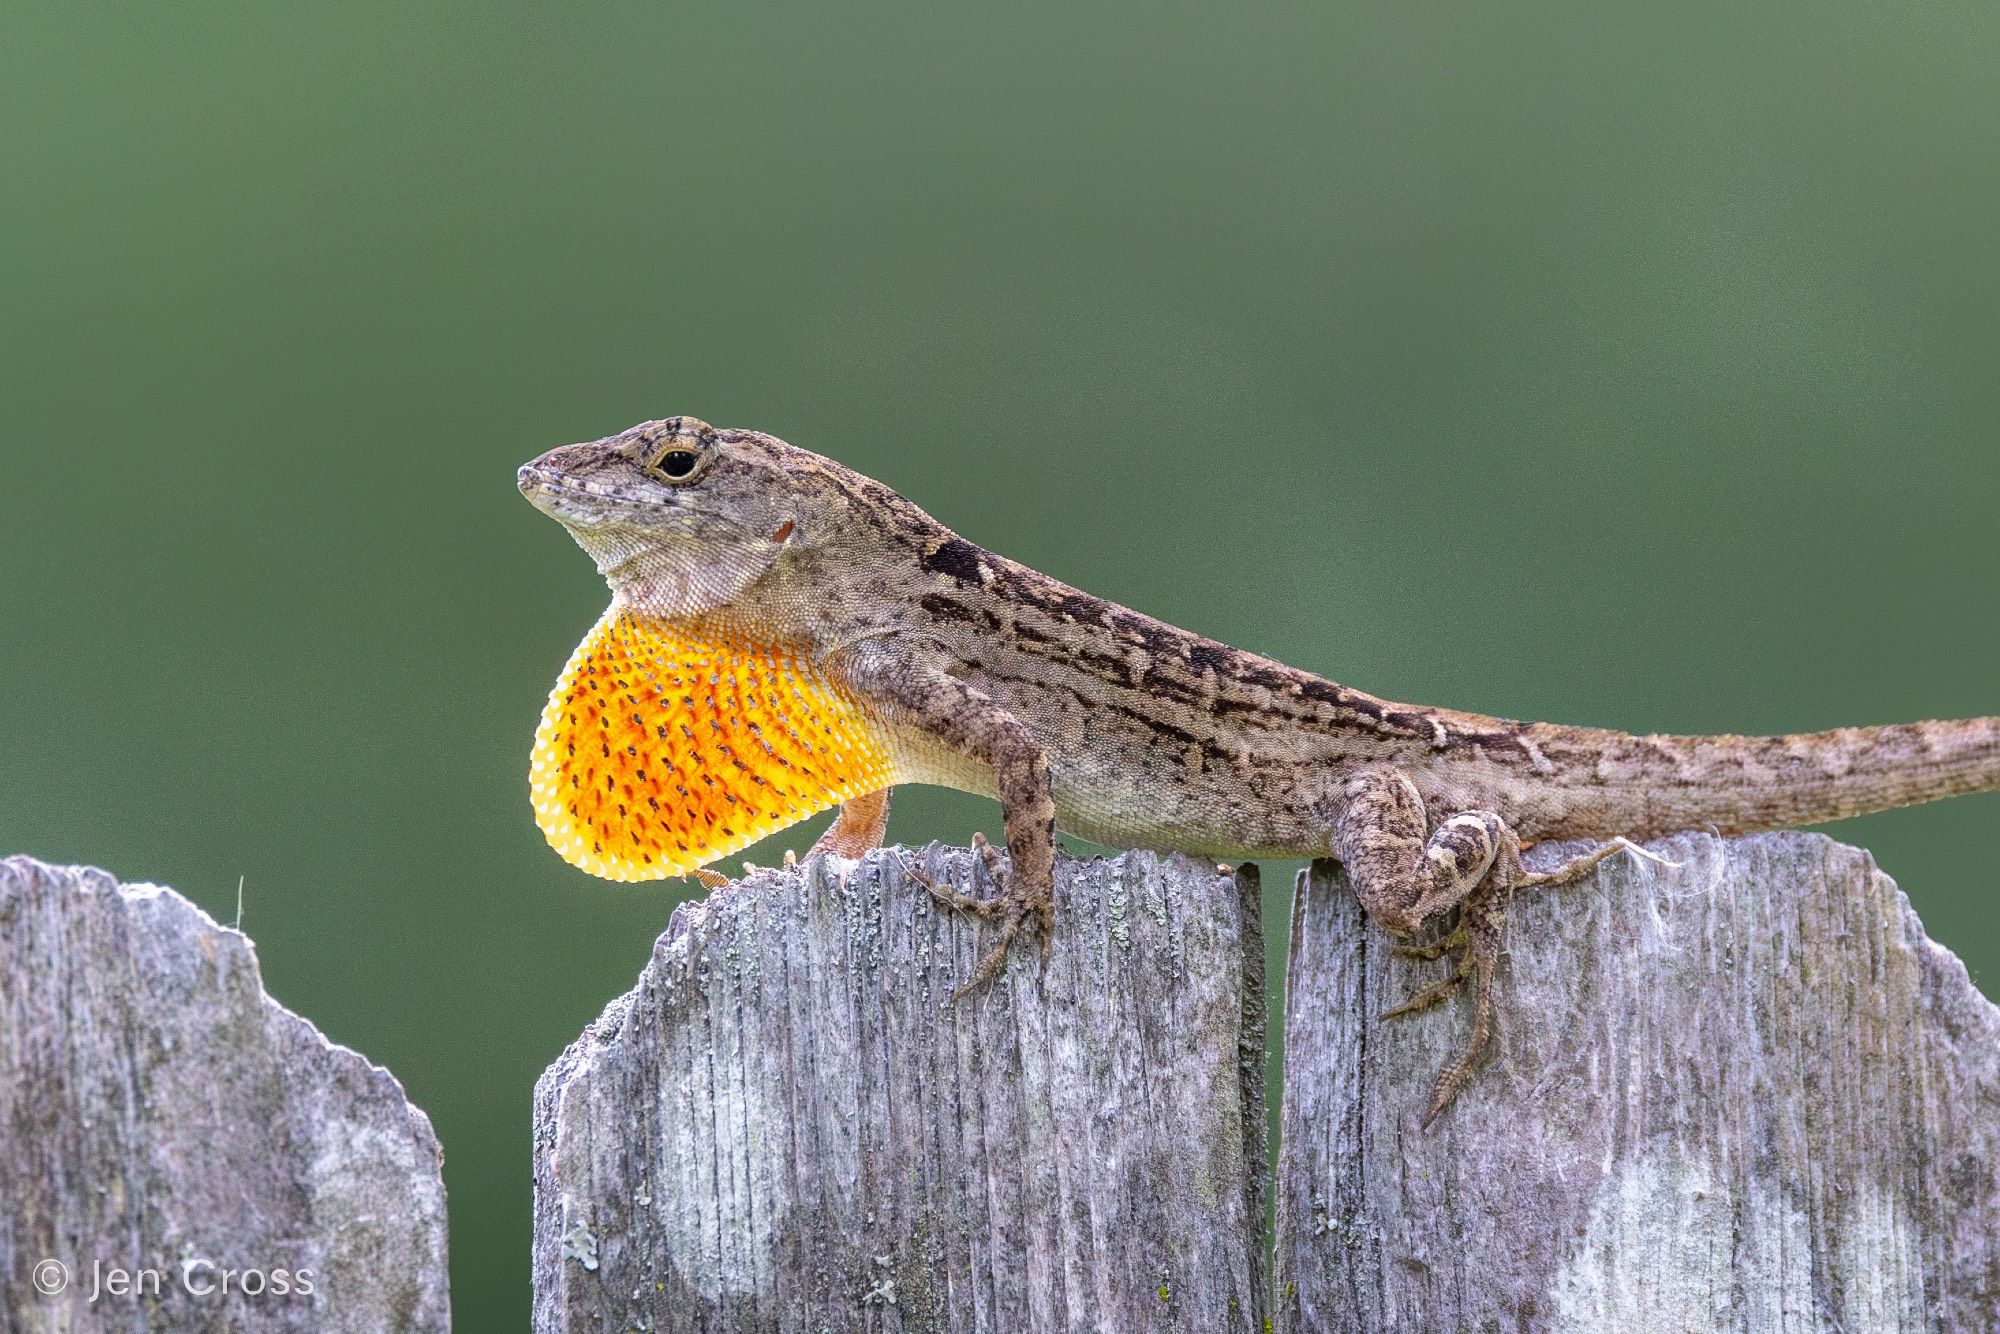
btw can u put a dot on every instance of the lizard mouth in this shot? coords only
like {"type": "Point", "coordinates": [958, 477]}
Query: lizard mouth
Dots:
{"type": "Point", "coordinates": [573, 500]}
{"type": "Point", "coordinates": [536, 481]}
{"type": "Point", "coordinates": [586, 506]}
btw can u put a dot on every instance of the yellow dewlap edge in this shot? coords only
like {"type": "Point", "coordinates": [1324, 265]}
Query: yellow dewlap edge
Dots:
{"type": "Point", "coordinates": [668, 744]}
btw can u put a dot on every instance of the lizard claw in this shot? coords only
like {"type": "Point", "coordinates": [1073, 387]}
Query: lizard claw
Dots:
{"type": "Point", "coordinates": [1456, 941]}
{"type": "Point", "coordinates": [1437, 949]}
{"type": "Point", "coordinates": [1013, 908]}
{"type": "Point", "coordinates": [1475, 940]}
{"type": "Point", "coordinates": [1428, 996]}
{"type": "Point", "coordinates": [1647, 853]}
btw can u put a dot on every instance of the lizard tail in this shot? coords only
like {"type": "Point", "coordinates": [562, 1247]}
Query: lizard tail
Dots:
{"type": "Point", "coordinates": [1646, 786]}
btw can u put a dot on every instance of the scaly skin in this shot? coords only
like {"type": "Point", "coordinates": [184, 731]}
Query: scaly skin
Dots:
{"type": "Point", "coordinates": [914, 656]}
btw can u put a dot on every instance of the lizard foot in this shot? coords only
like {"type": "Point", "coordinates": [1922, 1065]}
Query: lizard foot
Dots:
{"type": "Point", "coordinates": [1014, 907]}
{"type": "Point", "coordinates": [1449, 943]}
{"type": "Point", "coordinates": [1476, 941]}
{"type": "Point", "coordinates": [1457, 941]}
{"type": "Point", "coordinates": [1409, 871]}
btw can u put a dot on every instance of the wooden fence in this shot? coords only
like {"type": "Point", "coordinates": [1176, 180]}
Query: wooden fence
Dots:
{"type": "Point", "coordinates": [1740, 1093]}
{"type": "Point", "coordinates": [180, 1152]}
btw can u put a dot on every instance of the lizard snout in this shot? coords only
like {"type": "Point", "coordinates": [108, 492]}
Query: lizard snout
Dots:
{"type": "Point", "coordinates": [564, 467]}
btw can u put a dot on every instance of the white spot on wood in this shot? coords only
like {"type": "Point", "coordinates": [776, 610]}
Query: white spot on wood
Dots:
{"type": "Point", "coordinates": [1742, 1093]}
{"type": "Point", "coordinates": [1647, 1256]}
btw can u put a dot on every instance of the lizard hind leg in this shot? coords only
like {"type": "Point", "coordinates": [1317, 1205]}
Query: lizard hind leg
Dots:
{"type": "Point", "coordinates": [1407, 876]}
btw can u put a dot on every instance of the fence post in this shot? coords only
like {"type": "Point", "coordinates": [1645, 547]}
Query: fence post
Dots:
{"type": "Point", "coordinates": [1744, 1094]}
{"type": "Point", "coordinates": [161, 1118]}
{"type": "Point", "coordinates": [787, 1126]}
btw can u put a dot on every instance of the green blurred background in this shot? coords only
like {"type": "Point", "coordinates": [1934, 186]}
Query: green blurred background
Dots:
{"type": "Point", "coordinates": [1636, 369]}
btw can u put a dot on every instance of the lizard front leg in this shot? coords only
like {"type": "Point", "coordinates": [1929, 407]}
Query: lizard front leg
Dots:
{"type": "Point", "coordinates": [862, 822]}
{"type": "Point", "coordinates": [913, 692]}
{"type": "Point", "coordinates": [1407, 875]}
{"type": "Point", "coordinates": [859, 826]}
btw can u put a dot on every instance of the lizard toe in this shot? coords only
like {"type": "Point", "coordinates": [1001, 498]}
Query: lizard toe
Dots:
{"type": "Point", "coordinates": [1017, 908]}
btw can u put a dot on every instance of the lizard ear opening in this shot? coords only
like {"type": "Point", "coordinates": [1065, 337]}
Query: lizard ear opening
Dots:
{"type": "Point", "coordinates": [664, 747]}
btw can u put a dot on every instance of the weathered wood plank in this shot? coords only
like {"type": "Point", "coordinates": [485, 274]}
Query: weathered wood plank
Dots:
{"type": "Point", "coordinates": [1747, 1094]}
{"type": "Point", "coordinates": [785, 1126]}
{"type": "Point", "coordinates": [159, 1112]}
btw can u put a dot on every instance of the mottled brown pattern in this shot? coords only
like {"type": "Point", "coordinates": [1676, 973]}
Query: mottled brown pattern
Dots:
{"type": "Point", "coordinates": [1082, 714]}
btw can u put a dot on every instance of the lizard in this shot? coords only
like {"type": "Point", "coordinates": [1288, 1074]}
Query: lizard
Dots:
{"type": "Point", "coordinates": [786, 635]}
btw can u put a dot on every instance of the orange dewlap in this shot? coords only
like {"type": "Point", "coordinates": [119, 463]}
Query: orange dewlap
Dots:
{"type": "Point", "coordinates": [667, 744]}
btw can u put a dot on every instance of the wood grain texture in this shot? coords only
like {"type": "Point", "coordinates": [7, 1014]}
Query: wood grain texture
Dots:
{"type": "Point", "coordinates": [159, 1111]}
{"type": "Point", "coordinates": [1746, 1094]}
{"type": "Point", "coordinates": [785, 1126]}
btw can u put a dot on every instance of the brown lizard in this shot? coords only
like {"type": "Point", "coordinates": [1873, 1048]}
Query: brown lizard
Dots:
{"type": "Point", "coordinates": [785, 634]}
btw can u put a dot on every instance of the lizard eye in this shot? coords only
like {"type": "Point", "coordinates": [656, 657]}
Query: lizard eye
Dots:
{"type": "Point", "coordinates": [685, 447]}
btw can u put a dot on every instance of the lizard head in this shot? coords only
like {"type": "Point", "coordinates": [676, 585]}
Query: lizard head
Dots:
{"type": "Point", "coordinates": [673, 738]}
{"type": "Point", "coordinates": [682, 518]}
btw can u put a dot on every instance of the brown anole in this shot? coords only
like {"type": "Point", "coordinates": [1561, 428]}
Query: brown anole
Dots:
{"type": "Point", "coordinates": [785, 634]}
